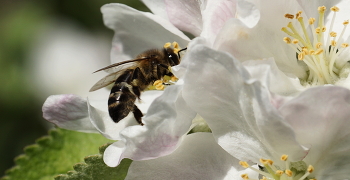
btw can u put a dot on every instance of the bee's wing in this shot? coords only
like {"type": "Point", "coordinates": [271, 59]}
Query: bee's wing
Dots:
{"type": "Point", "coordinates": [116, 70]}
{"type": "Point", "coordinates": [107, 80]}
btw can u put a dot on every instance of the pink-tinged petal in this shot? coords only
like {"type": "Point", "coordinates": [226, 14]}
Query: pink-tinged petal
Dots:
{"type": "Point", "coordinates": [112, 154]}
{"type": "Point", "coordinates": [185, 15]}
{"type": "Point", "coordinates": [137, 31]}
{"type": "Point", "coordinates": [68, 111]}
{"type": "Point", "coordinates": [100, 118]}
{"type": "Point", "coordinates": [215, 15]}
{"type": "Point", "coordinates": [168, 119]}
{"type": "Point", "coordinates": [267, 71]}
{"type": "Point", "coordinates": [320, 119]}
{"type": "Point", "coordinates": [236, 107]}
{"type": "Point", "coordinates": [198, 157]}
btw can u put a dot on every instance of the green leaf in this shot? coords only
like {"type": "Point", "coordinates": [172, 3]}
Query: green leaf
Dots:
{"type": "Point", "coordinates": [95, 169]}
{"type": "Point", "coordinates": [54, 154]}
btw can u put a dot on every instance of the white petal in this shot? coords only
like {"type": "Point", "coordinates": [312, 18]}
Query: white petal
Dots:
{"type": "Point", "coordinates": [167, 121]}
{"type": "Point", "coordinates": [112, 154]}
{"type": "Point", "coordinates": [185, 15]}
{"type": "Point", "coordinates": [266, 70]}
{"type": "Point", "coordinates": [263, 40]}
{"type": "Point", "coordinates": [68, 111]}
{"type": "Point", "coordinates": [236, 108]}
{"type": "Point", "coordinates": [137, 31]}
{"type": "Point", "coordinates": [198, 157]}
{"type": "Point", "coordinates": [248, 13]}
{"type": "Point", "coordinates": [320, 119]}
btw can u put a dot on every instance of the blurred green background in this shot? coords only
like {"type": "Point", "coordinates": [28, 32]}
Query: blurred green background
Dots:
{"type": "Point", "coordinates": [44, 46]}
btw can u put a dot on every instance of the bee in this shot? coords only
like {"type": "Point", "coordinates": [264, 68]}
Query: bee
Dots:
{"type": "Point", "coordinates": [130, 81]}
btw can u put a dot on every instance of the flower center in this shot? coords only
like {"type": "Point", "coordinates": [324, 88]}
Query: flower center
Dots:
{"type": "Point", "coordinates": [291, 170]}
{"type": "Point", "coordinates": [318, 50]}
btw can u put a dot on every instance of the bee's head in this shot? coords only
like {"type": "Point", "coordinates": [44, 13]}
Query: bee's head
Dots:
{"type": "Point", "coordinates": [172, 57]}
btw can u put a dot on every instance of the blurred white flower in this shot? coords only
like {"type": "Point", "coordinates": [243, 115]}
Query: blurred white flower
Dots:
{"type": "Point", "coordinates": [310, 50]}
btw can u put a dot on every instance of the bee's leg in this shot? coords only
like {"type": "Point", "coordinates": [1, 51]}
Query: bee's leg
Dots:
{"type": "Point", "coordinates": [138, 115]}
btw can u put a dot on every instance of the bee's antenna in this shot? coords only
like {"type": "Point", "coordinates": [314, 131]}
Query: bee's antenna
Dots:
{"type": "Point", "coordinates": [178, 53]}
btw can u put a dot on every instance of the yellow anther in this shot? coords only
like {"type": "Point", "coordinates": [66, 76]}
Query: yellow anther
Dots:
{"type": "Point", "coordinates": [312, 52]}
{"type": "Point", "coordinates": [279, 173]}
{"type": "Point", "coordinates": [323, 29]}
{"type": "Point", "coordinates": [305, 50]}
{"type": "Point", "coordinates": [298, 14]}
{"type": "Point", "coordinates": [318, 30]}
{"type": "Point", "coordinates": [321, 9]}
{"type": "Point", "coordinates": [166, 45]}
{"type": "Point", "coordinates": [346, 22]}
{"type": "Point", "coordinates": [318, 45]}
{"type": "Point", "coordinates": [344, 45]}
{"type": "Point", "coordinates": [266, 161]}
{"type": "Point", "coordinates": [333, 43]}
{"type": "Point", "coordinates": [244, 164]}
{"type": "Point", "coordinates": [245, 176]}
{"type": "Point", "coordinates": [333, 34]}
{"type": "Point", "coordinates": [318, 51]}
{"type": "Point", "coordinates": [312, 20]}
{"type": "Point", "coordinates": [295, 41]}
{"type": "Point", "coordinates": [288, 172]}
{"type": "Point", "coordinates": [176, 51]}
{"type": "Point", "coordinates": [335, 9]}
{"type": "Point", "coordinates": [289, 16]}
{"type": "Point", "coordinates": [301, 56]}
{"type": "Point", "coordinates": [287, 40]}
{"type": "Point", "coordinates": [310, 169]}
{"type": "Point", "coordinates": [263, 178]}
{"type": "Point", "coordinates": [284, 157]}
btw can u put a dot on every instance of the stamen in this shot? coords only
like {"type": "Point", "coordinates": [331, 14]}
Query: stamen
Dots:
{"type": "Point", "coordinates": [279, 172]}
{"type": "Point", "coordinates": [335, 9]}
{"type": "Point", "coordinates": [333, 34]}
{"type": "Point", "coordinates": [288, 172]}
{"type": "Point", "coordinates": [166, 45]}
{"type": "Point", "coordinates": [244, 164]}
{"type": "Point", "coordinates": [287, 40]}
{"type": "Point", "coordinates": [312, 21]}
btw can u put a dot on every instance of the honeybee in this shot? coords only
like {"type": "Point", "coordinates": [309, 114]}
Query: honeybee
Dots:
{"type": "Point", "coordinates": [130, 81]}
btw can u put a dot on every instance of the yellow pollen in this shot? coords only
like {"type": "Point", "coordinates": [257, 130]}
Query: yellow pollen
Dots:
{"type": "Point", "coordinates": [289, 16]}
{"type": "Point", "coordinates": [295, 41]}
{"type": "Point", "coordinates": [344, 45]}
{"type": "Point", "coordinates": [312, 20]}
{"type": "Point", "coordinates": [335, 9]}
{"type": "Point", "coordinates": [279, 173]}
{"type": "Point", "coordinates": [318, 45]}
{"type": "Point", "coordinates": [346, 22]}
{"type": "Point", "coordinates": [323, 29]}
{"type": "Point", "coordinates": [244, 164]}
{"type": "Point", "coordinates": [310, 169]}
{"type": "Point", "coordinates": [174, 78]}
{"type": "Point", "coordinates": [245, 176]}
{"type": "Point", "coordinates": [321, 9]}
{"type": "Point", "coordinates": [166, 45]}
{"type": "Point", "coordinates": [284, 157]}
{"type": "Point", "coordinates": [287, 40]}
{"type": "Point", "coordinates": [288, 172]}
{"type": "Point", "coordinates": [333, 43]}
{"type": "Point", "coordinates": [333, 34]}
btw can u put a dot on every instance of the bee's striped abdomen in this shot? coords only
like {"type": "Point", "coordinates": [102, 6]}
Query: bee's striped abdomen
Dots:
{"type": "Point", "coordinates": [121, 100]}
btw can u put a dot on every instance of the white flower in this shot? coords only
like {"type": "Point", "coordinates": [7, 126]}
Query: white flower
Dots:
{"type": "Point", "coordinates": [305, 57]}
{"type": "Point", "coordinates": [252, 125]}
